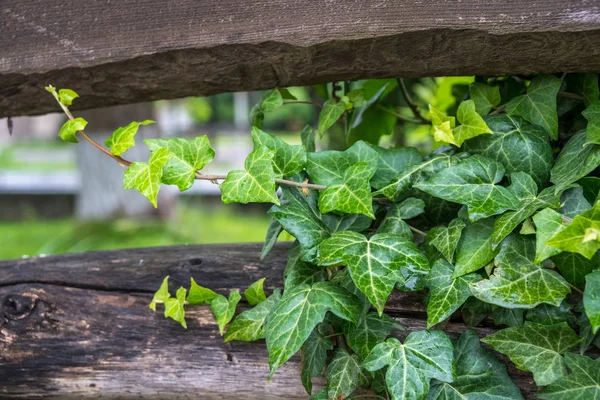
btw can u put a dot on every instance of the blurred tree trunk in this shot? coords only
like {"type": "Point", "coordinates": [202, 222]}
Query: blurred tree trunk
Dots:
{"type": "Point", "coordinates": [102, 194]}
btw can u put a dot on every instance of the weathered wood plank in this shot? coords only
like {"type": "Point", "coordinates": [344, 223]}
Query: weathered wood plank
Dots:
{"type": "Point", "coordinates": [131, 51]}
{"type": "Point", "coordinates": [78, 326]}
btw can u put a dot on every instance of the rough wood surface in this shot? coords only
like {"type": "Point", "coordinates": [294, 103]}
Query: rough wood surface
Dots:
{"type": "Point", "coordinates": [117, 52]}
{"type": "Point", "coordinates": [79, 326]}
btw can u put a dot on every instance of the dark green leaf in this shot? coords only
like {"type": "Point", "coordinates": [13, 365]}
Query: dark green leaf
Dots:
{"type": "Point", "coordinates": [573, 202]}
{"type": "Point", "coordinates": [391, 162]}
{"type": "Point", "coordinates": [393, 221]}
{"type": "Point", "coordinates": [68, 132]}
{"type": "Point", "coordinates": [474, 248]}
{"type": "Point", "coordinates": [445, 239]}
{"type": "Point", "coordinates": [372, 329]}
{"type": "Point", "coordinates": [582, 384]}
{"type": "Point", "coordinates": [147, 177]}
{"type": "Point", "coordinates": [308, 138]}
{"type": "Point", "coordinates": [257, 116]}
{"type": "Point", "coordinates": [592, 114]}
{"type": "Point", "coordinates": [332, 111]}
{"type": "Point", "coordinates": [575, 161]}
{"type": "Point", "coordinates": [124, 137]}
{"type": "Point", "coordinates": [591, 188]}
{"type": "Point", "coordinates": [255, 294]}
{"type": "Point", "coordinates": [484, 96]}
{"type": "Point", "coordinates": [507, 316]}
{"type": "Point", "coordinates": [344, 375]}
{"type": "Point", "coordinates": [591, 300]}
{"type": "Point", "coordinates": [249, 325]}
{"type": "Point", "coordinates": [574, 267]}
{"type": "Point", "coordinates": [371, 122]}
{"type": "Point", "coordinates": [314, 356]}
{"type": "Point", "coordinates": [353, 195]}
{"type": "Point", "coordinates": [549, 315]}
{"type": "Point", "coordinates": [273, 232]}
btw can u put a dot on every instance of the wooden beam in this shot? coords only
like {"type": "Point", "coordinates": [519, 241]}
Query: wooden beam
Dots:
{"type": "Point", "coordinates": [79, 326]}
{"type": "Point", "coordinates": [118, 52]}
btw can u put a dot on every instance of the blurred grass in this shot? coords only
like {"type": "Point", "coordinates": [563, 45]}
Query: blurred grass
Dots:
{"type": "Point", "coordinates": [189, 226]}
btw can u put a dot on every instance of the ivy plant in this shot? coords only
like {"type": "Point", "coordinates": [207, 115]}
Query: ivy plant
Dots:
{"type": "Point", "coordinates": [498, 225]}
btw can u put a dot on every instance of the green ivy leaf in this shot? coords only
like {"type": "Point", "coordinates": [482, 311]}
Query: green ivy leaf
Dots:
{"type": "Point", "coordinates": [255, 184]}
{"type": "Point", "coordinates": [288, 160]}
{"type": "Point", "coordinates": [271, 101]}
{"type": "Point", "coordinates": [517, 145]}
{"type": "Point", "coordinates": [314, 356]}
{"type": "Point", "coordinates": [536, 348]}
{"type": "Point", "coordinates": [508, 316]}
{"type": "Point", "coordinates": [582, 384]}
{"type": "Point", "coordinates": [299, 311]}
{"type": "Point", "coordinates": [410, 366]}
{"type": "Point", "coordinates": [393, 222]}
{"type": "Point", "coordinates": [322, 395]}
{"type": "Point", "coordinates": [189, 156]}
{"type": "Point", "coordinates": [580, 236]}
{"type": "Point", "coordinates": [391, 162]}
{"type": "Point", "coordinates": [473, 182]}
{"type": "Point", "coordinates": [592, 114]}
{"type": "Point", "coordinates": [591, 300]}
{"type": "Point", "coordinates": [162, 294]}
{"type": "Point", "coordinates": [68, 132]}
{"type": "Point", "coordinates": [344, 375]}
{"type": "Point", "coordinates": [257, 116]}
{"type": "Point", "coordinates": [147, 177]}
{"type": "Point", "coordinates": [273, 232]}
{"type": "Point", "coordinates": [255, 294]}
{"type": "Point", "coordinates": [591, 188]}
{"type": "Point", "coordinates": [525, 190]}
{"type": "Point", "coordinates": [308, 138]}
{"type": "Point", "coordinates": [549, 315]}
{"type": "Point", "coordinates": [475, 311]}
{"type": "Point", "coordinates": [66, 96]}
{"type": "Point", "coordinates": [351, 196]}
{"type": "Point", "coordinates": [377, 263]}
{"type": "Point", "coordinates": [199, 295]}
{"type": "Point", "coordinates": [224, 308]}
{"type": "Point", "coordinates": [472, 124]}
{"type": "Point", "coordinates": [538, 106]}
{"type": "Point", "coordinates": [329, 167]}
{"type": "Point", "coordinates": [371, 120]}
{"type": "Point", "coordinates": [332, 111]}
{"type": "Point", "coordinates": [474, 248]}
{"type": "Point", "coordinates": [585, 85]}
{"type": "Point", "coordinates": [574, 267]}
{"type": "Point", "coordinates": [174, 307]}
{"type": "Point", "coordinates": [484, 97]}
{"type": "Point", "coordinates": [575, 161]}
{"type": "Point", "coordinates": [547, 223]}
{"type": "Point", "coordinates": [249, 325]}
{"type": "Point", "coordinates": [124, 137]}
{"type": "Point", "coordinates": [446, 295]}
{"type": "Point", "coordinates": [517, 282]}
{"type": "Point", "coordinates": [372, 329]}
{"type": "Point", "coordinates": [445, 239]}
{"type": "Point", "coordinates": [479, 375]}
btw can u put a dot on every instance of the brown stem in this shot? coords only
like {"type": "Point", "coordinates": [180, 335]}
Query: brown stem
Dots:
{"type": "Point", "coordinates": [575, 288]}
{"type": "Point", "coordinates": [570, 95]}
{"type": "Point", "coordinates": [214, 178]}
{"type": "Point", "coordinates": [420, 232]}
{"type": "Point", "coordinates": [413, 106]}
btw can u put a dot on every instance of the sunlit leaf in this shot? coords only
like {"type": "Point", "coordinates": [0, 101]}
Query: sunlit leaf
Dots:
{"type": "Point", "coordinates": [124, 137]}
{"type": "Point", "coordinates": [147, 177]}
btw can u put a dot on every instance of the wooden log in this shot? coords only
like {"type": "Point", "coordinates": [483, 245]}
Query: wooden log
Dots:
{"type": "Point", "coordinates": [79, 326]}
{"type": "Point", "coordinates": [117, 52]}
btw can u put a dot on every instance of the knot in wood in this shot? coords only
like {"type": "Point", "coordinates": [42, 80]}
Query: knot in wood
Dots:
{"type": "Point", "coordinates": [16, 306]}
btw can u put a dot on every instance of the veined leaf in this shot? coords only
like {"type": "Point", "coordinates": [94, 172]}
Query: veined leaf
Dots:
{"type": "Point", "coordinates": [377, 263]}
{"type": "Point", "coordinates": [224, 308]}
{"type": "Point", "coordinates": [272, 100]}
{"type": "Point", "coordinates": [472, 124]}
{"type": "Point", "coordinates": [66, 96]}
{"type": "Point", "coordinates": [255, 184]}
{"type": "Point", "coordinates": [146, 177]}
{"type": "Point", "coordinates": [474, 248]}
{"type": "Point", "coordinates": [393, 221]}
{"type": "Point", "coordinates": [573, 202]}
{"type": "Point", "coordinates": [538, 106]}
{"type": "Point", "coordinates": [298, 272]}
{"type": "Point", "coordinates": [479, 375]}
{"type": "Point", "coordinates": [188, 157]}
{"type": "Point", "coordinates": [288, 160]}
{"type": "Point", "coordinates": [446, 295]}
{"type": "Point", "coordinates": [353, 195]}
{"type": "Point", "coordinates": [550, 315]}
{"type": "Point", "coordinates": [372, 329]}
{"type": "Point", "coordinates": [582, 384]}
{"type": "Point", "coordinates": [344, 375]}
{"type": "Point", "coordinates": [536, 348]}
{"type": "Point", "coordinates": [508, 316]}
{"type": "Point", "coordinates": [592, 114]}
{"type": "Point", "coordinates": [445, 239]}
{"type": "Point", "coordinates": [314, 356]}
{"type": "Point", "coordinates": [391, 162]}
{"type": "Point", "coordinates": [547, 223]}
{"type": "Point", "coordinates": [575, 161]}
{"type": "Point", "coordinates": [591, 300]}
{"type": "Point", "coordinates": [484, 97]}
{"type": "Point", "coordinates": [68, 132]}
{"type": "Point", "coordinates": [332, 111]}
{"type": "Point", "coordinates": [410, 366]}
{"type": "Point", "coordinates": [200, 295]}
{"type": "Point", "coordinates": [124, 137]}
{"type": "Point", "coordinates": [472, 182]}
{"type": "Point", "coordinates": [299, 311]}
{"type": "Point", "coordinates": [580, 236]}
{"type": "Point", "coordinates": [249, 325]}
{"type": "Point", "coordinates": [574, 267]}
{"type": "Point", "coordinates": [255, 293]}
{"type": "Point", "coordinates": [174, 307]}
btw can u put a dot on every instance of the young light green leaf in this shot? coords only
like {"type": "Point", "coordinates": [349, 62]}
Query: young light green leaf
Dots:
{"type": "Point", "coordinates": [574, 267]}
{"type": "Point", "coordinates": [162, 294]}
{"type": "Point", "coordinates": [446, 295]}
{"type": "Point", "coordinates": [371, 330]}
{"type": "Point", "coordinates": [299, 311]}
{"type": "Point", "coordinates": [580, 236]}
{"type": "Point", "coordinates": [393, 222]}
{"type": "Point", "coordinates": [591, 300]}
{"type": "Point", "coordinates": [249, 325]}
{"type": "Point", "coordinates": [272, 100]}
{"type": "Point", "coordinates": [547, 223]}
{"type": "Point", "coordinates": [255, 294]}
{"type": "Point", "coordinates": [332, 111]}
{"type": "Point", "coordinates": [199, 294]}
{"type": "Point", "coordinates": [517, 282]}
{"type": "Point", "coordinates": [377, 263]}
{"type": "Point", "coordinates": [189, 156]}
{"type": "Point", "coordinates": [174, 307]}
{"type": "Point", "coordinates": [288, 160]}
{"type": "Point", "coordinates": [66, 96]}
{"type": "Point", "coordinates": [536, 348]}
{"type": "Point", "coordinates": [344, 375]}
{"type": "Point", "coordinates": [123, 138]}
{"type": "Point", "coordinates": [68, 132]}
{"type": "Point", "coordinates": [485, 97]}
{"type": "Point", "coordinates": [473, 182]}
{"type": "Point", "coordinates": [445, 239]}
{"type": "Point", "coordinates": [314, 356]}
{"type": "Point", "coordinates": [410, 366]}
{"type": "Point", "coordinates": [471, 123]}
{"type": "Point", "coordinates": [582, 384]}
{"type": "Point", "coordinates": [353, 195]}
{"type": "Point", "coordinates": [273, 232]}
{"type": "Point", "coordinates": [224, 308]}
{"type": "Point", "coordinates": [442, 125]}
{"type": "Point", "coordinates": [592, 114]}
{"type": "Point", "coordinates": [255, 184]}
{"type": "Point", "coordinates": [479, 375]}
{"type": "Point", "coordinates": [517, 145]}
{"type": "Point", "coordinates": [474, 249]}
{"type": "Point", "coordinates": [146, 177]}
{"type": "Point", "coordinates": [391, 162]}
{"type": "Point", "coordinates": [538, 106]}
{"type": "Point", "coordinates": [575, 161]}
{"type": "Point", "coordinates": [525, 190]}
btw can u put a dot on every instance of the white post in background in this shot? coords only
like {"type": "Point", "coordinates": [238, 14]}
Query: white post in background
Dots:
{"type": "Point", "coordinates": [241, 110]}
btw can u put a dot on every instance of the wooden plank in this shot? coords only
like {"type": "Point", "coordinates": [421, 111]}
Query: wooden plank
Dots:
{"type": "Point", "coordinates": [117, 52]}
{"type": "Point", "coordinates": [78, 326]}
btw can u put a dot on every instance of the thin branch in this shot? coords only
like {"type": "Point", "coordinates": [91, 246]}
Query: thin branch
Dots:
{"type": "Point", "coordinates": [499, 109]}
{"type": "Point", "coordinates": [413, 106]}
{"type": "Point", "coordinates": [575, 288]}
{"type": "Point", "coordinates": [400, 116]}
{"type": "Point", "coordinates": [303, 185]}
{"type": "Point", "coordinates": [420, 232]}
{"type": "Point", "coordinates": [571, 95]}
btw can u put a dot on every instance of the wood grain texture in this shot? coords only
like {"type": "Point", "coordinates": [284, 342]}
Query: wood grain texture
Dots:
{"type": "Point", "coordinates": [118, 52]}
{"type": "Point", "coordinates": [79, 326]}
